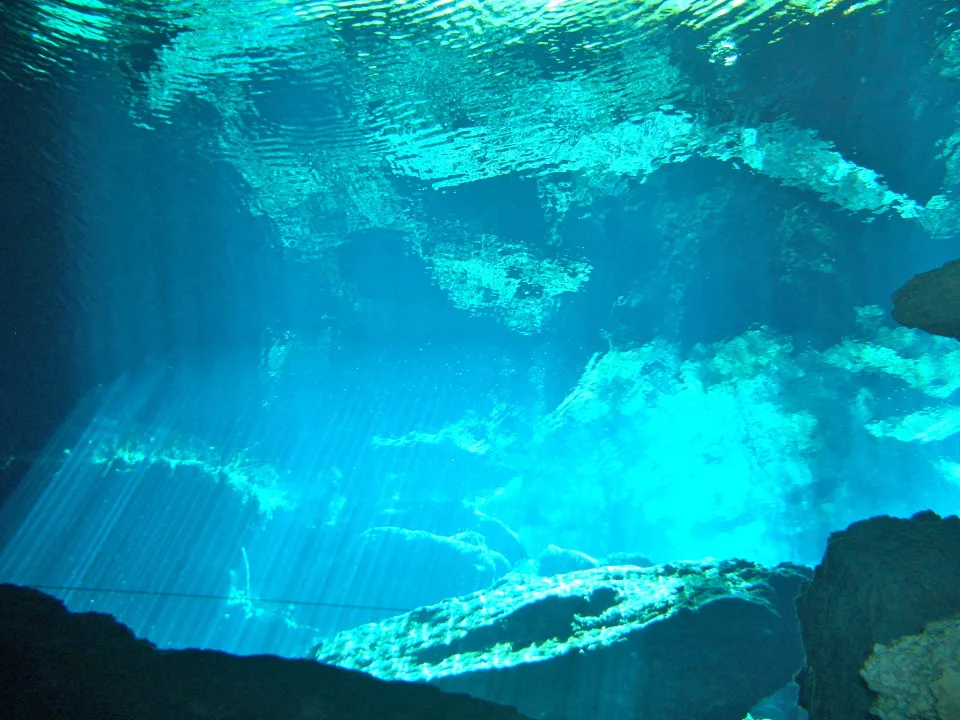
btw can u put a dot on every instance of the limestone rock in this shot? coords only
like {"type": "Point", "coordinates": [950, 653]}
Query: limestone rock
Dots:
{"type": "Point", "coordinates": [918, 677]}
{"type": "Point", "coordinates": [693, 640]}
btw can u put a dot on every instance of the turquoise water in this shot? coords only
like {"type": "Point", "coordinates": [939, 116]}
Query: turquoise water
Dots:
{"type": "Point", "coordinates": [319, 312]}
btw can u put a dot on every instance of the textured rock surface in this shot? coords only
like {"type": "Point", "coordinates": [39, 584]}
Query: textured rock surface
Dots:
{"type": "Point", "coordinates": [686, 640]}
{"type": "Point", "coordinates": [54, 664]}
{"type": "Point", "coordinates": [880, 580]}
{"type": "Point", "coordinates": [931, 301]}
{"type": "Point", "coordinates": [918, 677]}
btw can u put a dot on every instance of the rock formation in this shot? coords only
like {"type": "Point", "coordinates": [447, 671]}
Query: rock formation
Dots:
{"type": "Point", "coordinates": [880, 580]}
{"type": "Point", "coordinates": [55, 664]}
{"type": "Point", "coordinates": [693, 640]}
{"type": "Point", "coordinates": [931, 301]}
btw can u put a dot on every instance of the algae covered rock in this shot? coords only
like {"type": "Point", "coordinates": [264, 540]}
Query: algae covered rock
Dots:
{"type": "Point", "coordinates": [692, 640]}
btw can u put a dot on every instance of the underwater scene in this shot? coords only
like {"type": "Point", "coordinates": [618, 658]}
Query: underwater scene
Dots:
{"type": "Point", "coordinates": [436, 338]}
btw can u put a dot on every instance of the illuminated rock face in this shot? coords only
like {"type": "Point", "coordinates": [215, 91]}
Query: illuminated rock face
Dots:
{"type": "Point", "coordinates": [931, 301]}
{"type": "Point", "coordinates": [695, 640]}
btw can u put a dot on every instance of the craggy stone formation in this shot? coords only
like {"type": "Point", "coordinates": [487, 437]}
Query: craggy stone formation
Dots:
{"type": "Point", "coordinates": [880, 580]}
{"type": "Point", "coordinates": [931, 301]}
{"type": "Point", "coordinates": [686, 640]}
{"type": "Point", "coordinates": [55, 664]}
{"type": "Point", "coordinates": [917, 676]}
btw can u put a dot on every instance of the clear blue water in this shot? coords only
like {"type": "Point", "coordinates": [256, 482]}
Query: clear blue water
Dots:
{"type": "Point", "coordinates": [280, 273]}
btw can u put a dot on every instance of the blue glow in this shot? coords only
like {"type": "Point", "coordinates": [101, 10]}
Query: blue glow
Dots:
{"type": "Point", "coordinates": [310, 333]}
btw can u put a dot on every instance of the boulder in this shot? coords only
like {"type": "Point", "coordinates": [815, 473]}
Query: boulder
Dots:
{"type": "Point", "coordinates": [557, 560]}
{"type": "Point", "coordinates": [931, 301]}
{"type": "Point", "coordinates": [693, 640]}
{"type": "Point", "coordinates": [627, 558]}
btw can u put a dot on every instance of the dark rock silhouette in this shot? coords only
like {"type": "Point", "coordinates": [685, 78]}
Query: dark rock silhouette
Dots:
{"type": "Point", "coordinates": [931, 301]}
{"type": "Point", "coordinates": [55, 665]}
{"type": "Point", "coordinates": [880, 580]}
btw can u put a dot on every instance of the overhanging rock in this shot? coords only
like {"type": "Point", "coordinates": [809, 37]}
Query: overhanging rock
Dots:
{"type": "Point", "coordinates": [931, 301]}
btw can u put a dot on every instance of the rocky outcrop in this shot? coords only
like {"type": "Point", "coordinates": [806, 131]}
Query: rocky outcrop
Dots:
{"type": "Point", "coordinates": [55, 664]}
{"type": "Point", "coordinates": [627, 558]}
{"type": "Point", "coordinates": [880, 580]}
{"type": "Point", "coordinates": [686, 640]}
{"type": "Point", "coordinates": [931, 301]}
{"type": "Point", "coordinates": [917, 677]}
{"type": "Point", "coordinates": [557, 560]}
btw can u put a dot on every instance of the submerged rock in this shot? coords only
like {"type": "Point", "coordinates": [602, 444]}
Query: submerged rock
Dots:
{"type": "Point", "coordinates": [880, 580]}
{"type": "Point", "coordinates": [687, 640]}
{"type": "Point", "coordinates": [557, 560]}
{"type": "Point", "coordinates": [56, 664]}
{"type": "Point", "coordinates": [931, 301]}
{"type": "Point", "coordinates": [628, 558]}
{"type": "Point", "coordinates": [918, 676]}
